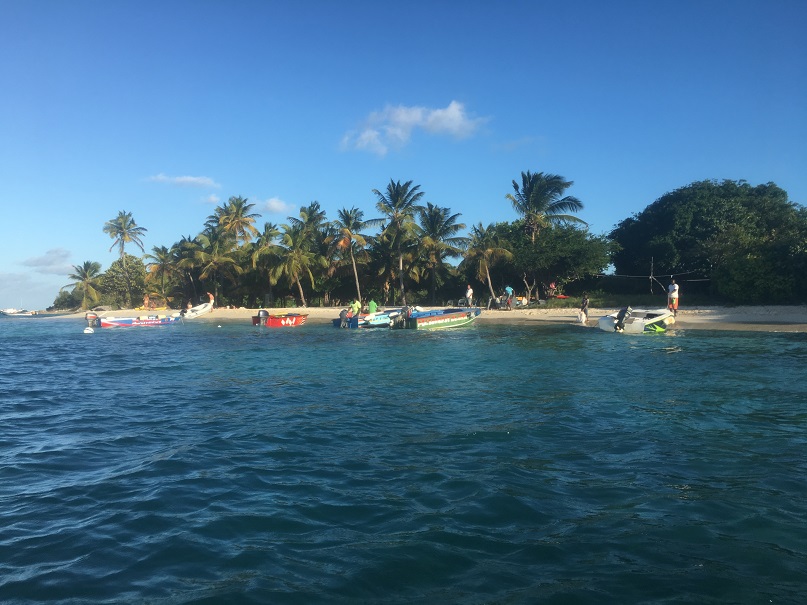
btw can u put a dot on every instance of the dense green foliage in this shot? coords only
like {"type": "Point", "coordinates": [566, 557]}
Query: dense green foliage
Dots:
{"type": "Point", "coordinates": [747, 242]}
{"type": "Point", "coordinates": [124, 283]}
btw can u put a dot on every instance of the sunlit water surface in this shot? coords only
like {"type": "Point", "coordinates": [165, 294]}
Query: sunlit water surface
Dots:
{"type": "Point", "coordinates": [488, 464]}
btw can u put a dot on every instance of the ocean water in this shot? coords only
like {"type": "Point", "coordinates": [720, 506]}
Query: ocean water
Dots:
{"type": "Point", "coordinates": [489, 464]}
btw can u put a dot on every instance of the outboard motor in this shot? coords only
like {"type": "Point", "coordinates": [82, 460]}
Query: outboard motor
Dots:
{"type": "Point", "coordinates": [92, 319]}
{"type": "Point", "coordinates": [263, 317]}
{"type": "Point", "coordinates": [621, 317]}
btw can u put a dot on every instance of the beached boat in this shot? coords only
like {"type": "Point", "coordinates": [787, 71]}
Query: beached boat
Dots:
{"type": "Point", "coordinates": [414, 318]}
{"type": "Point", "coordinates": [637, 321]}
{"type": "Point", "coordinates": [128, 321]}
{"type": "Point", "coordinates": [379, 319]}
{"type": "Point", "coordinates": [204, 308]}
{"type": "Point", "coordinates": [286, 320]}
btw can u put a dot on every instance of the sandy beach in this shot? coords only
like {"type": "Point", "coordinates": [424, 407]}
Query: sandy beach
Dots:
{"type": "Point", "coordinates": [755, 318]}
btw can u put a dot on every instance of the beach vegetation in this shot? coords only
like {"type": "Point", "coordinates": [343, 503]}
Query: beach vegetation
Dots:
{"type": "Point", "coordinates": [297, 259]}
{"type": "Point", "coordinates": [746, 243]}
{"type": "Point", "coordinates": [124, 230]}
{"type": "Point", "coordinates": [86, 285]}
{"type": "Point", "coordinates": [349, 243]}
{"type": "Point", "coordinates": [438, 233]}
{"type": "Point", "coordinates": [541, 202]}
{"type": "Point", "coordinates": [123, 282]}
{"type": "Point", "coordinates": [399, 203]}
{"type": "Point", "coordinates": [485, 249]}
{"type": "Point", "coordinates": [725, 241]}
{"type": "Point", "coordinates": [265, 256]}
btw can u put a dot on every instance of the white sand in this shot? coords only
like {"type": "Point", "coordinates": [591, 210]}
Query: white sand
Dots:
{"type": "Point", "coordinates": [758, 318]}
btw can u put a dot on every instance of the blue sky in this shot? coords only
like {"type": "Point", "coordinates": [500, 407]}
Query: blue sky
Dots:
{"type": "Point", "coordinates": [166, 109]}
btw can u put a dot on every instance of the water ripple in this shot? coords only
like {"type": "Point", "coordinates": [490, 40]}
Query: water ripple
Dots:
{"type": "Point", "coordinates": [497, 464]}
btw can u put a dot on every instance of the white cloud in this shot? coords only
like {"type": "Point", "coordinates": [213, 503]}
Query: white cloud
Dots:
{"type": "Point", "coordinates": [53, 262]}
{"type": "Point", "coordinates": [212, 199]}
{"type": "Point", "coordinates": [185, 181]}
{"type": "Point", "coordinates": [392, 127]}
{"type": "Point", "coordinates": [277, 206]}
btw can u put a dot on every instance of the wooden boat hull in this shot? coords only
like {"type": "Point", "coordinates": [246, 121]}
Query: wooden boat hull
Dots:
{"type": "Point", "coordinates": [287, 320]}
{"type": "Point", "coordinates": [437, 319]}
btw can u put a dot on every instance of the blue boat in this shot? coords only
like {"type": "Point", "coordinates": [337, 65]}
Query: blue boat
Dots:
{"type": "Point", "coordinates": [379, 319]}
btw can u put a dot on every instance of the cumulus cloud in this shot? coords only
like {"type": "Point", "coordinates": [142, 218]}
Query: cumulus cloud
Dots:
{"type": "Point", "coordinates": [53, 262]}
{"type": "Point", "coordinates": [185, 181]}
{"type": "Point", "coordinates": [212, 199]}
{"type": "Point", "coordinates": [277, 206]}
{"type": "Point", "coordinates": [392, 127]}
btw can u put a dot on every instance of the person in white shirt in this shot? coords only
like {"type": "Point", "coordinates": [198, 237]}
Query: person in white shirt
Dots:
{"type": "Point", "coordinates": [672, 297]}
{"type": "Point", "coordinates": [469, 295]}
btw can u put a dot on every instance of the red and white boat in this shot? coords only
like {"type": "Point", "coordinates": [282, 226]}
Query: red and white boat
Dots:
{"type": "Point", "coordinates": [286, 320]}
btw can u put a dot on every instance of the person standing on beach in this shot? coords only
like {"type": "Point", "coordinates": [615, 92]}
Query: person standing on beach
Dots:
{"type": "Point", "coordinates": [469, 295]}
{"type": "Point", "coordinates": [509, 294]}
{"type": "Point", "coordinates": [672, 297]}
{"type": "Point", "coordinates": [584, 309]}
{"type": "Point", "coordinates": [372, 306]}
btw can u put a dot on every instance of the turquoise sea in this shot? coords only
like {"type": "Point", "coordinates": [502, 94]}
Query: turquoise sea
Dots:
{"type": "Point", "coordinates": [490, 464]}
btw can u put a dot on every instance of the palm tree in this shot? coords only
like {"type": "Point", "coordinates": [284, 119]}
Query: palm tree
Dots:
{"type": "Point", "coordinates": [399, 204]}
{"type": "Point", "coordinates": [312, 218]}
{"type": "Point", "coordinates": [485, 249]}
{"type": "Point", "coordinates": [296, 257]}
{"type": "Point", "coordinates": [265, 247]}
{"type": "Point", "coordinates": [235, 219]}
{"type": "Point", "coordinates": [86, 278]}
{"type": "Point", "coordinates": [162, 266]}
{"type": "Point", "coordinates": [184, 253]}
{"type": "Point", "coordinates": [213, 258]}
{"type": "Point", "coordinates": [539, 199]}
{"type": "Point", "coordinates": [349, 238]}
{"type": "Point", "coordinates": [438, 239]}
{"type": "Point", "coordinates": [124, 230]}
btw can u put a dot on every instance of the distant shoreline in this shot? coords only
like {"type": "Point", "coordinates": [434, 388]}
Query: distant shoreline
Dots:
{"type": "Point", "coordinates": [763, 318]}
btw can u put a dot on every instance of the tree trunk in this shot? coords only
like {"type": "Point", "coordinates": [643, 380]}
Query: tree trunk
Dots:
{"type": "Point", "coordinates": [355, 274]}
{"type": "Point", "coordinates": [434, 285]}
{"type": "Point", "coordinates": [490, 283]}
{"type": "Point", "coordinates": [300, 288]}
{"type": "Point", "coordinates": [400, 276]}
{"type": "Point", "coordinates": [529, 287]}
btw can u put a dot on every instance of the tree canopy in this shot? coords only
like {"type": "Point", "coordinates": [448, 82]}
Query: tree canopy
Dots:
{"type": "Point", "coordinates": [749, 241]}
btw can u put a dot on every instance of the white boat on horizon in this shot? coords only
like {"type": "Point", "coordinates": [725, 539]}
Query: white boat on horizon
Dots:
{"type": "Point", "coordinates": [17, 312]}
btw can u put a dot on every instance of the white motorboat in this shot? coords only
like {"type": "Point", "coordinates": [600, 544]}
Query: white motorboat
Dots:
{"type": "Point", "coordinates": [198, 310]}
{"type": "Point", "coordinates": [17, 312]}
{"type": "Point", "coordinates": [637, 321]}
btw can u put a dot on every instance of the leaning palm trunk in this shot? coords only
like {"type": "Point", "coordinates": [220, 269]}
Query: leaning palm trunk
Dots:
{"type": "Point", "coordinates": [490, 283]}
{"type": "Point", "coordinates": [356, 275]}
{"type": "Point", "coordinates": [300, 288]}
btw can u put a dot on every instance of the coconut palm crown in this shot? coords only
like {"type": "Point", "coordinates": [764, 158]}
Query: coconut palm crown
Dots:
{"type": "Point", "coordinates": [123, 229]}
{"type": "Point", "coordinates": [540, 200]}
